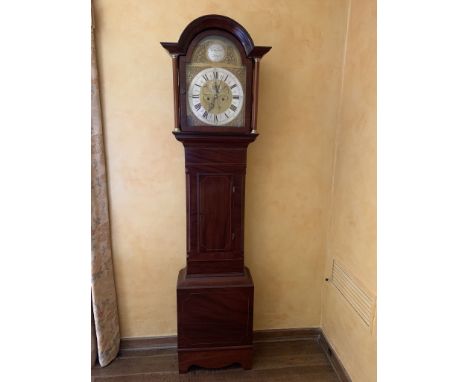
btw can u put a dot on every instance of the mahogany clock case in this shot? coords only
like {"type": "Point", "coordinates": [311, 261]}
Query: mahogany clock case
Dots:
{"type": "Point", "coordinates": [215, 291]}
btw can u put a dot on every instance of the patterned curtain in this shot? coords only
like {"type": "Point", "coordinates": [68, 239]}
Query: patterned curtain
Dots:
{"type": "Point", "coordinates": [104, 300]}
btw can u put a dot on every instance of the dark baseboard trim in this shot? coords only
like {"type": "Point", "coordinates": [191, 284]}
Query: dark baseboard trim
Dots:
{"type": "Point", "coordinates": [277, 335]}
{"type": "Point", "coordinates": [147, 346]}
{"type": "Point", "coordinates": [333, 358]}
{"type": "Point", "coordinates": [142, 346]}
{"type": "Point", "coordinates": [129, 346]}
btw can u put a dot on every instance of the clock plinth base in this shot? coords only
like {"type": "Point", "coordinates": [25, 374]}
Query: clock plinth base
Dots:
{"type": "Point", "coordinates": [214, 320]}
{"type": "Point", "coordinates": [215, 358]}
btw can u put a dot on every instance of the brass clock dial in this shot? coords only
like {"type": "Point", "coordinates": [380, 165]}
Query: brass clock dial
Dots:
{"type": "Point", "coordinates": [215, 84]}
{"type": "Point", "coordinates": [215, 96]}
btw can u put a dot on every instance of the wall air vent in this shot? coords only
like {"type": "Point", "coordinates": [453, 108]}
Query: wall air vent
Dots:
{"type": "Point", "coordinates": [362, 301]}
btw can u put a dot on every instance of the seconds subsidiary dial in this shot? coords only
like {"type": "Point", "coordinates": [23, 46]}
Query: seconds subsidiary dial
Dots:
{"type": "Point", "coordinates": [215, 96]}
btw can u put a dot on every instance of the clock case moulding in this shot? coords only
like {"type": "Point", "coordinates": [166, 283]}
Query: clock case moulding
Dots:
{"type": "Point", "coordinates": [215, 289]}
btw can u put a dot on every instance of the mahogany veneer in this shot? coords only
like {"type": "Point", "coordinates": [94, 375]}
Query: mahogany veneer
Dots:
{"type": "Point", "coordinates": [215, 168]}
{"type": "Point", "coordinates": [215, 290]}
{"type": "Point", "coordinates": [215, 316]}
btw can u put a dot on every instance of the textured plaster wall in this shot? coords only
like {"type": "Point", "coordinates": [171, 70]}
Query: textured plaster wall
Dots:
{"type": "Point", "coordinates": [352, 234]}
{"type": "Point", "coordinates": [289, 166]}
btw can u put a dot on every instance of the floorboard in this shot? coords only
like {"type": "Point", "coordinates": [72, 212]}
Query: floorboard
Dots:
{"type": "Point", "coordinates": [283, 361]}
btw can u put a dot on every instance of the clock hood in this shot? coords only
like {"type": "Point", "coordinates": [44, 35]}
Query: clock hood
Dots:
{"type": "Point", "coordinates": [218, 22]}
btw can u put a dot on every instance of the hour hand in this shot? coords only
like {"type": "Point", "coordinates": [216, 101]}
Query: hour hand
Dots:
{"type": "Point", "coordinates": [212, 104]}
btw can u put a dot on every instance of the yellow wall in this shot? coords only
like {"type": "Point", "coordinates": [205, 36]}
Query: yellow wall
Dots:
{"type": "Point", "coordinates": [352, 233]}
{"type": "Point", "coordinates": [289, 166]}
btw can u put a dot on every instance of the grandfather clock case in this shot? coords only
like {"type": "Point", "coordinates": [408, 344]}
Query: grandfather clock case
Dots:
{"type": "Point", "coordinates": [215, 76]}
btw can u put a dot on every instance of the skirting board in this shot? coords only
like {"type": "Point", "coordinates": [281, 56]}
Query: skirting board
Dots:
{"type": "Point", "coordinates": [340, 371]}
{"type": "Point", "coordinates": [147, 346]}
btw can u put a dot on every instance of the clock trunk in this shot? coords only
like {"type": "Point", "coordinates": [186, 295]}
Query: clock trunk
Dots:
{"type": "Point", "coordinates": [215, 290]}
{"type": "Point", "coordinates": [215, 170]}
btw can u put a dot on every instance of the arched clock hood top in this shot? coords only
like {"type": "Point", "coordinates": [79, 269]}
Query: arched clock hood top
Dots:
{"type": "Point", "coordinates": [215, 22]}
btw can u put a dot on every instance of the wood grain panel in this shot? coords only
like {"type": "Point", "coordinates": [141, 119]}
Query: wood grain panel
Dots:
{"type": "Point", "coordinates": [215, 203]}
{"type": "Point", "coordinates": [217, 155]}
{"type": "Point", "coordinates": [215, 318]}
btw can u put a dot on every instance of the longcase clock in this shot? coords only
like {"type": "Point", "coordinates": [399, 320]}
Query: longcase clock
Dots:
{"type": "Point", "coordinates": [215, 74]}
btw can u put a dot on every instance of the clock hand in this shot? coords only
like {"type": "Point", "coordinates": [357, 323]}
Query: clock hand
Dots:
{"type": "Point", "coordinates": [212, 103]}
{"type": "Point", "coordinates": [215, 98]}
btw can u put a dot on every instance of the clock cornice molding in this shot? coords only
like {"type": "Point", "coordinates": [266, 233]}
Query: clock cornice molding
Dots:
{"type": "Point", "coordinates": [215, 22]}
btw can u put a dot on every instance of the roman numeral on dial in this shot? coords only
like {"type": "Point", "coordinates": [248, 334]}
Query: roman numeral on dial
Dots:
{"type": "Point", "coordinates": [233, 108]}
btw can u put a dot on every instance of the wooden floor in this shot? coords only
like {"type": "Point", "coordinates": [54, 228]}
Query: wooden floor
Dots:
{"type": "Point", "coordinates": [284, 360]}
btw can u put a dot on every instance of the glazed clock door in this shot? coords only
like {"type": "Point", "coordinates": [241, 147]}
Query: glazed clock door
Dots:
{"type": "Point", "coordinates": [215, 87]}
